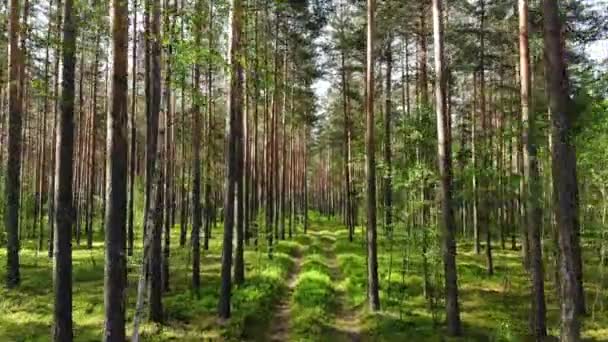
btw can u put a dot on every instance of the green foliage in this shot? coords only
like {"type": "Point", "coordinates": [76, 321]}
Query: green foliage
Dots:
{"type": "Point", "coordinates": [313, 294]}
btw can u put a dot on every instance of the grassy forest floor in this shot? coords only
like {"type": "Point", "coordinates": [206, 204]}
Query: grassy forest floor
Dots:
{"type": "Point", "coordinates": [314, 289]}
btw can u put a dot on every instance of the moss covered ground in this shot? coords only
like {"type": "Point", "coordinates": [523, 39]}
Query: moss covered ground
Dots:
{"type": "Point", "coordinates": [327, 301]}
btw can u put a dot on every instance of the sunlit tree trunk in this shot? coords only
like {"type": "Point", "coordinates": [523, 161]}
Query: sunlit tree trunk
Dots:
{"type": "Point", "coordinates": [534, 214]}
{"type": "Point", "coordinates": [233, 139]}
{"type": "Point", "coordinates": [51, 196]}
{"type": "Point", "coordinates": [444, 159]}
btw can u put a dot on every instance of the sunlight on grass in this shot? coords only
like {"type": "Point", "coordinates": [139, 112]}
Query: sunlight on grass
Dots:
{"type": "Point", "coordinates": [494, 308]}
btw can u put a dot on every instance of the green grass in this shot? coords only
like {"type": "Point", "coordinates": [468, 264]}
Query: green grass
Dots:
{"type": "Point", "coordinates": [27, 310]}
{"type": "Point", "coordinates": [493, 308]}
{"type": "Point", "coordinates": [313, 295]}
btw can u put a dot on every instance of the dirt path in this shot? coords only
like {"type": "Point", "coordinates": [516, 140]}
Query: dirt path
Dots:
{"type": "Point", "coordinates": [281, 322]}
{"type": "Point", "coordinates": [347, 325]}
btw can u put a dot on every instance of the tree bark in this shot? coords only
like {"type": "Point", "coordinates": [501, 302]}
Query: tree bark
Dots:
{"type": "Point", "coordinates": [534, 213]}
{"type": "Point", "coordinates": [388, 188]}
{"type": "Point", "coordinates": [133, 142]}
{"type": "Point", "coordinates": [484, 210]}
{"type": "Point", "coordinates": [444, 159]}
{"type": "Point", "coordinates": [51, 197]}
{"type": "Point", "coordinates": [370, 149]}
{"type": "Point", "coordinates": [196, 167]}
{"type": "Point", "coordinates": [62, 330]}
{"type": "Point", "coordinates": [347, 150]}
{"type": "Point", "coordinates": [154, 148]}
{"type": "Point", "coordinates": [564, 172]}
{"type": "Point", "coordinates": [168, 168]}
{"type": "Point", "coordinates": [116, 261]}
{"type": "Point", "coordinates": [233, 140]}
{"type": "Point", "coordinates": [43, 162]}
{"type": "Point", "coordinates": [12, 179]}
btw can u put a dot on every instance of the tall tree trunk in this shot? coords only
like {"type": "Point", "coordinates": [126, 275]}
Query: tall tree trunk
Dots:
{"type": "Point", "coordinates": [347, 150]}
{"type": "Point", "coordinates": [154, 148]}
{"type": "Point", "coordinates": [62, 330]}
{"type": "Point", "coordinates": [51, 197]}
{"type": "Point", "coordinates": [564, 173]}
{"type": "Point", "coordinates": [444, 159]}
{"type": "Point", "coordinates": [209, 205]}
{"type": "Point", "coordinates": [534, 213]}
{"type": "Point", "coordinates": [12, 179]}
{"type": "Point", "coordinates": [233, 140]}
{"type": "Point", "coordinates": [422, 57]}
{"type": "Point", "coordinates": [43, 163]}
{"type": "Point", "coordinates": [116, 261]}
{"type": "Point", "coordinates": [484, 210]}
{"type": "Point", "coordinates": [91, 200]}
{"type": "Point", "coordinates": [149, 153]}
{"type": "Point", "coordinates": [474, 162]}
{"type": "Point", "coordinates": [196, 167]}
{"type": "Point", "coordinates": [168, 27]}
{"type": "Point", "coordinates": [370, 149]}
{"type": "Point", "coordinates": [388, 188]}
{"type": "Point", "coordinates": [133, 142]}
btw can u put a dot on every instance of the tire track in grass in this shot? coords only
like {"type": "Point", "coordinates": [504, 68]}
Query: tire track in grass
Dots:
{"type": "Point", "coordinates": [346, 325]}
{"type": "Point", "coordinates": [280, 325]}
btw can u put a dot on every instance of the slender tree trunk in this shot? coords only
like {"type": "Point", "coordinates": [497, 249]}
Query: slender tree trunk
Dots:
{"type": "Point", "coordinates": [233, 140]}
{"type": "Point", "coordinates": [534, 214]}
{"type": "Point", "coordinates": [155, 147]}
{"type": "Point", "coordinates": [196, 167]}
{"type": "Point", "coordinates": [209, 205]}
{"type": "Point", "coordinates": [149, 153]}
{"type": "Point", "coordinates": [168, 27]}
{"type": "Point", "coordinates": [43, 163]}
{"type": "Point", "coordinates": [444, 158]}
{"type": "Point", "coordinates": [51, 197]}
{"type": "Point", "coordinates": [347, 139]}
{"type": "Point", "coordinates": [484, 211]}
{"type": "Point", "coordinates": [62, 330]}
{"type": "Point", "coordinates": [388, 188]}
{"type": "Point", "coordinates": [372, 257]}
{"type": "Point", "coordinates": [474, 161]}
{"type": "Point", "coordinates": [133, 142]}
{"type": "Point", "coordinates": [12, 179]}
{"type": "Point", "coordinates": [91, 209]}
